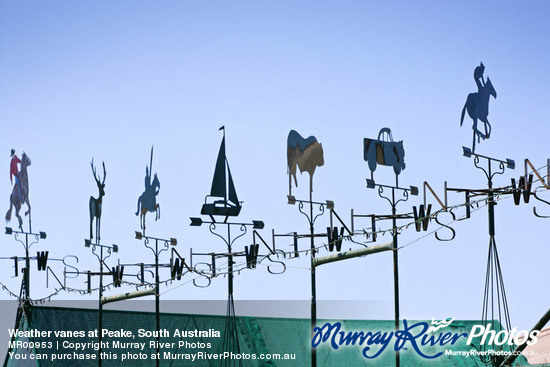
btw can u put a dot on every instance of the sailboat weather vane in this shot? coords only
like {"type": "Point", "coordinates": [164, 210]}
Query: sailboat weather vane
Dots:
{"type": "Point", "coordinates": [225, 203]}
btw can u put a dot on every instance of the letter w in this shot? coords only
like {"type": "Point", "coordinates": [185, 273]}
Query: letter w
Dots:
{"type": "Point", "coordinates": [252, 255]}
{"type": "Point", "coordinates": [42, 260]}
{"type": "Point", "coordinates": [176, 268]}
{"type": "Point", "coordinates": [334, 239]}
{"type": "Point", "coordinates": [422, 217]}
{"type": "Point", "coordinates": [522, 187]}
{"type": "Point", "coordinates": [118, 272]}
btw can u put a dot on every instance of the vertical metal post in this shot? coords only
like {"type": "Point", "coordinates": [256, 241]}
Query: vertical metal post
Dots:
{"type": "Point", "coordinates": [28, 269]}
{"type": "Point", "coordinates": [100, 304]}
{"type": "Point", "coordinates": [157, 296]}
{"type": "Point", "coordinates": [230, 265]}
{"type": "Point", "coordinates": [313, 285]}
{"type": "Point", "coordinates": [491, 204]}
{"type": "Point", "coordinates": [395, 271]}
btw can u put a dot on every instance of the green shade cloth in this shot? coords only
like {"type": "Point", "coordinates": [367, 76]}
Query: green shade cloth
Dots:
{"type": "Point", "coordinates": [257, 335]}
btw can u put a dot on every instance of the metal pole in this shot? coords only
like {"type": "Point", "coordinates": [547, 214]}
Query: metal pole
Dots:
{"type": "Point", "coordinates": [313, 290]}
{"type": "Point", "coordinates": [353, 253]}
{"type": "Point", "coordinates": [100, 304]}
{"type": "Point", "coordinates": [157, 292]}
{"type": "Point", "coordinates": [28, 269]}
{"type": "Point", "coordinates": [230, 264]}
{"type": "Point", "coordinates": [512, 357]}
{"type": "Point", "coordinates": [395, 271]}
{"type": "Point", "coordinates": [129, 295]}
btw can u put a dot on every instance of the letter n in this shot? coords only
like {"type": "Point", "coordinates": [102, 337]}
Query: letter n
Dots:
{"type": "Point", "coordinates": [42, 260]}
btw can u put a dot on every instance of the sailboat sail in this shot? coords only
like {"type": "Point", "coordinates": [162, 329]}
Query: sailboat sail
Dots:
{"type": "Point", "coordinates": [218, 183]}
{"type": "Point", "coordinates": [232, 193]}
{"type": "Point", "coordinates": [222, 185]}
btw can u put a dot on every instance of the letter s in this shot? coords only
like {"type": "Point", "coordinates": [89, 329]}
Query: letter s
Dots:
{"type": "Point", "coordinates": [446, 226]}
{"type": "Point", "coordinates": [533, 336]}
{"type": "Point", "coordinates": [70, 266]}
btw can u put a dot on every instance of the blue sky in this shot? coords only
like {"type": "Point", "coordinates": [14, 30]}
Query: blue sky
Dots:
{"type": "Point", "coordinates": [108, 80]}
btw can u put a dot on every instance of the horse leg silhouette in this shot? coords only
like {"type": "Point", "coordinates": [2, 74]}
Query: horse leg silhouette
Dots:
{"type": "Point", "coordinates": [17, 209]}
{"type": "Point", "coordinates": [474, 128]}
{"type": "Point", "coordinates": [142, 218]}
{"type": "Point", "coordinates": [158, 212]}
{"type": "Point", "coordinates": [487, 131]}
{"type": "Point", "coordinates": [28, 212]}
{"type": "Point", "coordinates": [15, 202]}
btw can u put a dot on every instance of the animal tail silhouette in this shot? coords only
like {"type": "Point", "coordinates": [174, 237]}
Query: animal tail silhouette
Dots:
{"type": "Point", "coordinates": [138, 204]}
{"type": "Point", "coordinates": [463, 112]}
{"type": "Point", "coordinates": [8, 214]}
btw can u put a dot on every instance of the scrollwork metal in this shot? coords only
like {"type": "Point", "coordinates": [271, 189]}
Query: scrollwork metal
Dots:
{"type": "Point", "coordinates": [405, 197]}
{"type": "Point", "coordinates": [212, 229]}
{"type": "Point", "coordinates": [243, 230]}
{"type": "Point", "coordinates": [321, 212]}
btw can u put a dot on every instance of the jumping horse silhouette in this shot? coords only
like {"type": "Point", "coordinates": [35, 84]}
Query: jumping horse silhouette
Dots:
{"type": "Point", "coordinates": [477, 105]}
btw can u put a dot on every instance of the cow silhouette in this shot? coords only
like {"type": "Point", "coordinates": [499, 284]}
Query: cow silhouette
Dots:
{"type": "Point", "coordinates": [307, 154]}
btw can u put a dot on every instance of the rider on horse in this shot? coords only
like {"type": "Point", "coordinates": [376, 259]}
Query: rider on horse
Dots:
{"type": "Point", "coordinates": [14, 171]}
{"type": "Point", "coordinates": [478, 74]}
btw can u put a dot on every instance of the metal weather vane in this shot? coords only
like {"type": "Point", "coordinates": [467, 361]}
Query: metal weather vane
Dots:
{"type": "Point", "coordinates": [102, 252]}
{"type": "Point", "coordinates": [20, 192]}
{"type": "Point", "coordinates": [387, 152]}
{"type": "Point", "coordinates": [223, 202]}
{"type": "Point", "coordinates": [97, 203]}
{"type": "Point", "coordinates": [147, 202]}
{"type": "Point", "coordinates": [477, 105]}
{"type": "Point", "coordinates": [306, 154]}
{"type": "Point", "coordinates": [384, 151]}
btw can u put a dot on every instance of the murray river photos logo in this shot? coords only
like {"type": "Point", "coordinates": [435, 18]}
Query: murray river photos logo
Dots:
{"type": "Point", "coordinates": [415, 337]}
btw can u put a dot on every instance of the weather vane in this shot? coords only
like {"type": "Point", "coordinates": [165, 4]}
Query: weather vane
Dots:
{"type": "Point", "coordinates": [20, 192]}
{"type": "Point", "coordinates": [307, 154]}
{"type": "Point", "coordinates": [477, 105]}
{"type": "Point", "coordinates": [387, 152]}
{"type": "Point", "coordinates": [223, 202]}
{"type": "Point", "coordinates": [147, 202]}
{"type": "Point", "coordinates": [96, 203]}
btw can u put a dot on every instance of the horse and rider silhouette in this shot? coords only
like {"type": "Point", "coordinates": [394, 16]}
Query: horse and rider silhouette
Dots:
{"type": "Point", "coordinates": [147, 202]}
{"type": "Point", "coordinates": [477, 105]}
{"type": "Point", "coordinates": [20, 192]}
